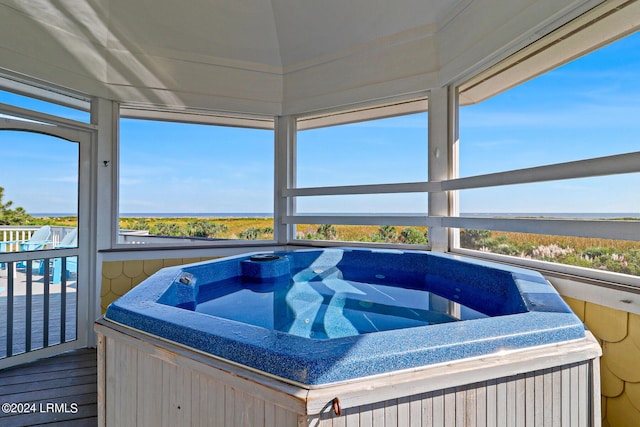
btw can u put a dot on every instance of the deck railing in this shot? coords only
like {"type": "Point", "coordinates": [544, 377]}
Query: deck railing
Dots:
{"type": "Point", "coordinates": [10, 233]}
{"type": "Point", "coordinates": [38, 303]}
{"type": "Point", "coordinates": [36, 312]}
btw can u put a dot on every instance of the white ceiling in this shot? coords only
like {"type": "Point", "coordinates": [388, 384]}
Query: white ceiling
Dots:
{"type": "Point", "coordinates": [257, 56]}
{"type": "Point", "coordinates": [311, 29]}
{"type": "Point", "coordinates": [279, 33]}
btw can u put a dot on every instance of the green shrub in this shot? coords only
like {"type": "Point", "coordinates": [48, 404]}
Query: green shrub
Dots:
{"type": "Point", "coordinates": [475, 239]}
{"type": "Point", "coordinates": [385, 234]}
{"type": "Point", "coordinates": [327, 232]}
{"type": "Point", "coordinates": [166, 229]}
{"type": "Point", "coordinates": [203, 228]}
{"type": "Point", "coordinates": [413, 236]}
{"type": "Point", "coordinates": [140, 224]}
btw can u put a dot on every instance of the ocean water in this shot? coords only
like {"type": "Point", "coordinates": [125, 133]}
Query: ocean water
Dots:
{"type": "Point", "coordinates": [173, 215]}
{"type": "Point", "coordinates": [561, 215]}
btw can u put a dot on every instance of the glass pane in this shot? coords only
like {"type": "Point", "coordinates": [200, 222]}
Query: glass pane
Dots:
{"type": "Point", "coordinates": [598, 197]}
{"type": "Point", "coordinates": [587, 108]}
{"type": "Point", "coordinates": [382, 151]}
{"type": "Point", "coordinates": [620, 256]}
{"type": "Point", "coordinates": [372, 204]}
{"type": "Point", "coordinates": [39, 201]}
{"type": "Point", "coordinates": [180, 180]}
{"type": "Point", "coordinates": [45, 107]}
{"type": "Point", "coordinates": [408, 235]}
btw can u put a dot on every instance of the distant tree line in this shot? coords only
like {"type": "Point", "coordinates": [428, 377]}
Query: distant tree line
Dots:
{"type": "Point", "coordinates": [385, 234]}
{"type": "Point", "coordinates": [17, 216]}
{"type": "Point", "coordinates": [198, 228]}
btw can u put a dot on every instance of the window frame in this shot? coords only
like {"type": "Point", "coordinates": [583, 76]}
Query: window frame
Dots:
{"type": "Point", "coordinates": [600, 26]}
{"type": "Point", "coordinates": [417, 103]}
{"type": "Point", "coordinates": [196, 117]}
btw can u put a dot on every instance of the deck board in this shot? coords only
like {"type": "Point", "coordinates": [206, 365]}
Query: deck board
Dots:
{"type": "Point", "coordinates": [70, 378]}
{"type": "Point", "coordinates": [37, 314]}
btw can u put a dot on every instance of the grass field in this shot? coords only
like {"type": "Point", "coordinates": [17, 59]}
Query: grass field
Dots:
{"type": "Point", "coordinates": [612, 255]}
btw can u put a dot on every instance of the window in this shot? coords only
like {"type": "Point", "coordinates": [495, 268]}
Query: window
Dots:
{"type": "Point", "coordinates": [74, 109]}
{"type": "Point", "coordinates": [40, 173]}
{"type": "Point", "coordinates": [40, 167]}
{"type": "Point", "coordinates": [351, 173]}
{"type": "Point", "coordinates": [44, 206]}
{"type": "Point", "coordinates": [549, 168]}
{"type": "Point", "coordinates": [382, 151]}
{"type": "Point", "coordinates": [190, 183]}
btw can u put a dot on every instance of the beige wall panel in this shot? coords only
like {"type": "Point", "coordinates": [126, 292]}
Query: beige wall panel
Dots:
{"type": "Point", "coordinates": [112, 269]}
{"type": "Point", "coordinates": [119, 277]}
{"type": "Point", "coordinates": [634, 329]}
{"type": "Point", "coordinates": [121, 285]}
{"type": "Point", "coordinates": [622, 359]}
{"type": "Point", "coordinates": [576, 306]}
{"type": "Point", "coordinates": [633, 393]}
{"type": "Point", "coordinates": [107, 299]}
{"type": "Point", "coordinates": [611, 385]}
{"type": "Point", "coordinates": [606, 323]}
{"type": "Point", "coordinates": [133, 269]}
{"type": "Point", "coordinates": [621, 413]}
{"type": "Point", "coordinates": [150, 266]}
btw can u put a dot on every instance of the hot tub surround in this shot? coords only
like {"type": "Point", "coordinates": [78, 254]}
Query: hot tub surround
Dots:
{"type": "Point", "coordinates": [524, 312]}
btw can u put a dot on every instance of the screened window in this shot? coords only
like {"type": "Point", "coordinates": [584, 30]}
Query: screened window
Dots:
{"type": "Point", "coordinates": [574, 129]}
{"type": "Point", "coordinates": [187, 183]}
{"type": "Point", "coordinates": [79, 112]}
{"type": "Point", "coordinates": [382, 151]}
{"type": "Point", "coordinates": [358, 161]}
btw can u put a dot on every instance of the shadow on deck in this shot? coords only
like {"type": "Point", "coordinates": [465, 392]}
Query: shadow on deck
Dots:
{"type": "Point", "coordinates": [56, 391]}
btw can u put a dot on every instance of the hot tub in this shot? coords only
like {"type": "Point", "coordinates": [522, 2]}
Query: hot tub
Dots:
{"type": "Point", "coordinates": [326, 327]}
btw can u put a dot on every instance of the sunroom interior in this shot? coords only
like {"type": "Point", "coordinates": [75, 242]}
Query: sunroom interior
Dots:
{"type": "Point", "coordinates": [285, 70]}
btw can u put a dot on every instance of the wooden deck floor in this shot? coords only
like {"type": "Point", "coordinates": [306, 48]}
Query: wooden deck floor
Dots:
{"type": "Point", "coordinates": [22, 324]}
{"type": "Point", "coordinates": [60, 391]}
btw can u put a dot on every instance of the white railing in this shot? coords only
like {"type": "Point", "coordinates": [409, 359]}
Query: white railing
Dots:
{"type": "Point", "coordinates": [142, 237]}
{"type": "Point", "coordinates": [40, 302]}
{"type": "Point", "coordinates": [38, 294]}
{"type": "Point", "coordinates": [17, 233]}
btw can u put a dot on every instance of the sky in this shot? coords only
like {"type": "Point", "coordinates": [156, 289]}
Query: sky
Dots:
{"type": "Point", "coordinates": [584, 109]}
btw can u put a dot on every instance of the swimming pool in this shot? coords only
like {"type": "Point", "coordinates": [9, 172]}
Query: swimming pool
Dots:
{"type": "Point", "coordinates": [325, 316]}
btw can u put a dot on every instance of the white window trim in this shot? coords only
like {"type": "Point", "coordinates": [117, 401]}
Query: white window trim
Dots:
{"type": "Point", "coordinates": [47, 92]}
{"type": "Point", "coordinates": [192, 116]}
{"type": "Point", "coordinates": [363, 113]}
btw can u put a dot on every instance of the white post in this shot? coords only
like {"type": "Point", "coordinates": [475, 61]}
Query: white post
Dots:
{"type": "Point", "coordinates": [105, 115]}
{"type": "Point", "coordinates": [441, 161]}
{"type": "Point", "coordinates": [285, 176]}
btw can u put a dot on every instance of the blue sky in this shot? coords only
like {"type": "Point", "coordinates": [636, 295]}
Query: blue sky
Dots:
{"type": "Point", "coordinates": [587, 108]}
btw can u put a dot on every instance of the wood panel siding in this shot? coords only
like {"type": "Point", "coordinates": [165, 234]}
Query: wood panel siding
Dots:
{"type": "Point", "coordinates": [150, 381]}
